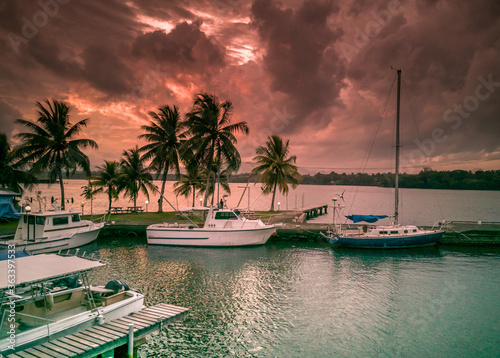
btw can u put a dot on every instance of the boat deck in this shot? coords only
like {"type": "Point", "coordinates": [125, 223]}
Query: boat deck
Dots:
{"type": "Point", "coordinates": [103, 338]}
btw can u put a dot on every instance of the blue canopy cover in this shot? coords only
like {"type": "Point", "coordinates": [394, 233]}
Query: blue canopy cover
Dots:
{"type": "Point", "coordinates": [367, 218]}
{"type": "Point", "coordinates": [7, 209]}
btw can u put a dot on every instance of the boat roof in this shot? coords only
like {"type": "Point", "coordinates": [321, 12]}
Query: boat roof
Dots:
{"type": "Point", "coordinates": [6, 192]}
{"type": "Point", "coordinates": [51, 213]}
{"type": "Point", "coordinates": [38, 268]}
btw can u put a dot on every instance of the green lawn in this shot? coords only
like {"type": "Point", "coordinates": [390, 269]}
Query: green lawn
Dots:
{"type": "Point", "coordinates": [8, 226]}
{"type": "Point", "coordinates": [170, 216]}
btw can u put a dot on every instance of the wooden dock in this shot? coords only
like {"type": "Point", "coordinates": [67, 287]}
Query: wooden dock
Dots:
{"type": "Point", "coordinates": [314, 211]}
{"type": "Point", "coordinates": [101, 339]}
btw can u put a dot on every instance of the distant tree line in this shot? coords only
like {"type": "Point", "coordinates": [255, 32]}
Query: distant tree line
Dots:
{"type": "Point", "coordinates": [426, 179]}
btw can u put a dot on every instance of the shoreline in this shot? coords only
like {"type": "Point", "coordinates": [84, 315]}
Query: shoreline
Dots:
{"type": "Point", "coordinates": [136, 224]}
{"type": "Point", "coordinates": [311, 232]}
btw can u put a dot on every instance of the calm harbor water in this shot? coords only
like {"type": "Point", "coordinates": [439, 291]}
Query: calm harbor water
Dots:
{"type": "Point", "coordinates": [308, 300]}
{"type": "Point", "coordinates": [418, 206]}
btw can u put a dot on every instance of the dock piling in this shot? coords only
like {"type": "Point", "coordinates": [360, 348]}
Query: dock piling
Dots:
{"type": "Point", "coordinates": [131, 340]}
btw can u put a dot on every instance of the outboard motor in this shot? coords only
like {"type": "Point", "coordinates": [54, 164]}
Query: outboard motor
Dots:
{"type": "Point", "coordinates": [117, 286]}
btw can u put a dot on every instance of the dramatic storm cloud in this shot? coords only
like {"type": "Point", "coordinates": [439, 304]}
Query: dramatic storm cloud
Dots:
{"type": "Point", "coordinates": [316, 72]}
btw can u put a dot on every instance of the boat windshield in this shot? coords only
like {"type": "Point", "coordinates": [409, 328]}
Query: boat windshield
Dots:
{"type": "Point", "coordinates": [225, 215]}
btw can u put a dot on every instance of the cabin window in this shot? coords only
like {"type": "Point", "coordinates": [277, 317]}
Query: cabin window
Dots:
{"type": "Point", "coordinates": [40, 220]}
{"type": "Point", "coordinates": [383, 232]}
{"type": "Point", "coordinates": [414, 230]}
{"type": "Point", "coordinates": [75, 218]}
{"type": "Point", "coordinates": [25, 219]}
{"type": "Point", "coordinates": [64, 220]}
{"type": "Point", "coordinates": [406, 231]}
{"type": "Point", "coordinates": [394, 232]}
{"type": "Point", "coordinates": [225, 216]}
{"type": "Point", "coordinates": [31, 220]}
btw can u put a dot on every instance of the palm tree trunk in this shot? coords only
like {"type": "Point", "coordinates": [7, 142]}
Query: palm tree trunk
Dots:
{"type": "Point", "coordinates": [61, 185]}
{"type": "Point", "coordinates": [218, 177]}
{"type": "Point", "coordinates": [194, 195]}
{"type": "Point", "coordinates": [110, 200]}
{"type": "Point", "coordinates": [164, 181]}
{"type": "Point", "coordinates": [274, 194]}
{"type": "Point", "coordinates": [207, 189]}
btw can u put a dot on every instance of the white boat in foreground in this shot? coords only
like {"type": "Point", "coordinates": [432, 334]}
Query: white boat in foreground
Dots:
{"type": "Point", "coordinates": [51, 231]}
{"type": "Point", "coordinates": [46, 300]}
{"type": "Point", "coordinates": [223, 227]}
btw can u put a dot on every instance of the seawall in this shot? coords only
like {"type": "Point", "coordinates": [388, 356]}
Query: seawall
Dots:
{"type": "Point", "coordinates": [312, 232]}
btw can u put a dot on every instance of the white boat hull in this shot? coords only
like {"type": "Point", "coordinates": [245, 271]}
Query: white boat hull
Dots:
{"type": "Point", "coordinates": [53, 244]}
{"type": "Point", "coordinates": [161, 235]}
{"type": "Point", "coordinates": [75, 323]}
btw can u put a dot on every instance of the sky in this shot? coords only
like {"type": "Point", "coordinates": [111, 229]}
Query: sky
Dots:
{"type": "Point", "coordinates": [318, 73]}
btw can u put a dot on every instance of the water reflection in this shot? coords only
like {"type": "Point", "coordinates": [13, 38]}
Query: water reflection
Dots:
{"type": "Point", "coordinates": [307, 300]}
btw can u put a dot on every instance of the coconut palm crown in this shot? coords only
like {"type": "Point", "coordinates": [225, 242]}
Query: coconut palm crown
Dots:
{"type": "Point", "coordinates": [135, 177]}
{"type": "Point", "coordinates": [50, 144]}
{"type": "Point", "coordinates": [12, 175]}
{"type": "Point", "coordinates": [108, 180]}
{"type": "Point", "coordinates": [212, 134]}
{"type": "Point", "coordinates": [165, 134]}
{"type": "Point", "coordinates": [275, 167]}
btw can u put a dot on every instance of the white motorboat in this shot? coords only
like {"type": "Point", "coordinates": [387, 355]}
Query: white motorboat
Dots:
{"type": "Point", "coordinates": [51, 231]}
{"type": "Point", "coordinates": [223, 227]}
{"type": "Point", "coordinates": [44, 299]}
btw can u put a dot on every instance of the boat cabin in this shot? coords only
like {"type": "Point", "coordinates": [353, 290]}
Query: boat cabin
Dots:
{"type": "Point", "coordinates": [228, 218]}
{"type": "Point", "coordinates": [34, 226]}
{"type": "Point", "coordinates": [385, 231]}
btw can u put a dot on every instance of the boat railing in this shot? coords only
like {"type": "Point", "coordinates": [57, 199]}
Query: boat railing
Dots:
{"type": "Point", "coordinates": [93, 256]}
{"type": "Point", "coordinates": [101, 218]}
{"type": "Point", "coordinates": [19, 314]}
{"type": "Point", "coordinates": [437, 225]}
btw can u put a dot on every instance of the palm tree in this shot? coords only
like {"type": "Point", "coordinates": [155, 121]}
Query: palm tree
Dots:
{"type": "Point", "coordinates": [108, 180]}
{"type": "Point", "coordinates": [275, 168]}
{"type": "Point", "coordinates": [88, 192]}
{"type": "Point", "coordinates": [49, 145]}
{"type": "Point", "coordinates": [135, 177]}
{"type": "Point", "coordinates": [166, 135]}
{"type": "Point", "coordinates": [189, 183]}
{"type": "Point", "coordinates": [222, 178]}
{"type": "Point", "coordinates": [11, 174]}
{"type": "Point", "coordinates": [212, 136]}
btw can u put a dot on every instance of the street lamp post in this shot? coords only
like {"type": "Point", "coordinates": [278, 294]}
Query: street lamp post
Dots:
{"type": "Point", "coordinates": [147, 202]}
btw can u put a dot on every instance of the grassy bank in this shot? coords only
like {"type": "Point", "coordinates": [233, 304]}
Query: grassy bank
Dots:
{"type": "Point", "coordinates": [149, 217]}
{"type": "Point", "coordinates": [8, 227]}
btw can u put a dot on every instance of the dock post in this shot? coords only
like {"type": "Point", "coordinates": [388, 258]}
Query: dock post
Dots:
{"type": "Point", "coordinates": [131, 340]}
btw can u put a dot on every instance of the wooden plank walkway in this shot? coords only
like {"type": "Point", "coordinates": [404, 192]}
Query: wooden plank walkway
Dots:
{"type": "Point", "coordinates": [313, 211]}
{"type": "Point", "coordinates": [102, 338]}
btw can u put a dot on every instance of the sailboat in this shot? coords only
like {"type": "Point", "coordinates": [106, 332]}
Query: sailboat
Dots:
{"type": "Point", "coordinates": [387, 236]}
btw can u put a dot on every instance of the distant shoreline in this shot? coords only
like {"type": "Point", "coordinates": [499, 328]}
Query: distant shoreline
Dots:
{"type": "Point", "coordinates": [426, 179]}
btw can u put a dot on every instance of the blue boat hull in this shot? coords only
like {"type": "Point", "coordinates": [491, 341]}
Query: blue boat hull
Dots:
{"type": "Point", "coordinates": [396, 242]}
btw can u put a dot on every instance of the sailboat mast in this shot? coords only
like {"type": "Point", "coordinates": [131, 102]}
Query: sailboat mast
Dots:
{"type": "Point", "coordinates": [396, 184]}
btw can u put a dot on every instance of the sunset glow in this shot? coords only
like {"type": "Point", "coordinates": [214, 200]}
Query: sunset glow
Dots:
{"type": "Point", "coordinates": [315, 72]}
